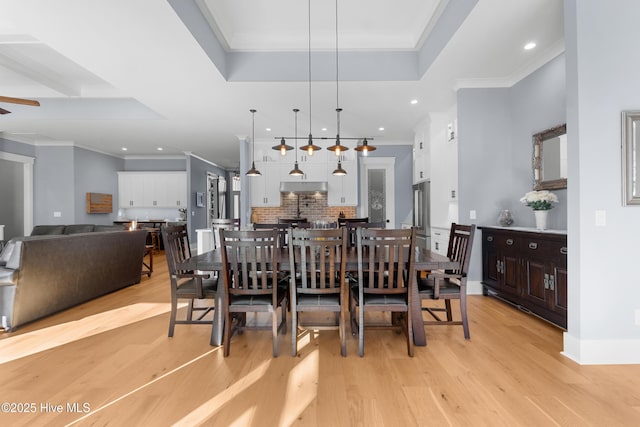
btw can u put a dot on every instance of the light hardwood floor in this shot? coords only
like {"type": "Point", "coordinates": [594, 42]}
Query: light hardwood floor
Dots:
{"type": "Point", "coordinates": [113, 358]}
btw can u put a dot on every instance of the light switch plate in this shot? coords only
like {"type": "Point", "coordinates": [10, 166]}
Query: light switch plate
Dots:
{"type": "Point", "coordinates": [57, 214]}
{"type": "Point", "coordinates": [601, 218]}
{"type": "Point", "coordinates": [472, 214]}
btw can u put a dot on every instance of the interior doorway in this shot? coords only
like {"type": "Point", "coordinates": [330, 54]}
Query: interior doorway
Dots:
{"type": "Point", "coordinates": [377, 181]}
{"type": "Point", "coordinates": [22, 195]}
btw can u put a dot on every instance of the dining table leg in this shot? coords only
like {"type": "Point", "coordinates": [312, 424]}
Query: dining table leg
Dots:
{"type": "Point", "coordinates": [419, 337]}
{"type": "Point", "coordinates": [217, 329]}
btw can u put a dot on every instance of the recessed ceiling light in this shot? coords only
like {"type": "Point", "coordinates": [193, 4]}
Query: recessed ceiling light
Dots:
{"type": "Point", "coordinates": [414, 101]}
{"type": "Point", "coordinates": [124, 148]}
{"type": "Point", "coordinates": [323, 129]}
{"type": "Point", "coordinates": [268, 129]}
{"type": "Point", "coordinates": [159, 148]}
{"type": "Point", "coordinates": [529, 46]}
{"type": "Point", "coordinates": [380, 128]}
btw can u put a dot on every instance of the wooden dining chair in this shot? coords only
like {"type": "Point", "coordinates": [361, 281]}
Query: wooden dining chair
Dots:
{"type": "Point", "coordinates": [251, 284]}
{"type": "Point", "coordinates": [450, 284]}
{"type": "Point", "coordinates": [186, 284]}
{"type": "Point", "coordinates": [352, 226]}
{"type": "Point", "coordinates": [283, 230]}
{"type": "Point", "coordinates": [386, 260]}
{"type": "Point", "coordinates": [318, 264]}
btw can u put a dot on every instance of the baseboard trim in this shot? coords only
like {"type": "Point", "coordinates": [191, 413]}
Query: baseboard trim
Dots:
{"type": "Point", "coordinates": [474, 287]}
{"type": "Point", "coordinates": [601, 352]}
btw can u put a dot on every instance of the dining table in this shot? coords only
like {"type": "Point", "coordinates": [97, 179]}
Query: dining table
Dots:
{"type": "Point", "coordinates": [425, 260]}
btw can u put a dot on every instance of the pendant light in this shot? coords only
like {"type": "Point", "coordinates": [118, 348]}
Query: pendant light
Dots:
{"type": "Point", "coordinates": [253, 171]}
{"type": "Point", "coordinates": [310, 148]}
{"type": "Point", "coordinates": [296, 170]}
{"type": "Point", "coordinates": [337, 148]}
{"type": "Point", "coordinates": [339, 171]}
{"type": "Point", "coordinates": [282, 147]}
{"type": "Point", "coordinates": [365, 148]}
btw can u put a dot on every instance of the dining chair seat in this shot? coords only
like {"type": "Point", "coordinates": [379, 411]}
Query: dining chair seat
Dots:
{"type": "Point", "coordinates": [322, 300]}
{"type": "Point", "coordinates": [191, 287]}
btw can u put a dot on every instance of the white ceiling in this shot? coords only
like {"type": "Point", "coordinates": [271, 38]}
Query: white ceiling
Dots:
{"type": "Point", "coordinates": [183, 74]}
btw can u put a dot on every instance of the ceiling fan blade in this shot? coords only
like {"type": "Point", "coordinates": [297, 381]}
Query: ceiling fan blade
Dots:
{"type": "Point", "coordinates": [3, 111]}
{"type": "Point", "coordinates": [21, 101]}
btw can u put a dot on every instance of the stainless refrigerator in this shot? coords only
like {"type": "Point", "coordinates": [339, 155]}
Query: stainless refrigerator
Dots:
{"type": "Point", "coordinates": [421, 214]}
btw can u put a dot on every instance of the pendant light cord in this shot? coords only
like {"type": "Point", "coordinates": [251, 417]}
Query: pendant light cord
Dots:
{"type": "Point", "coordinates": [309, 68]}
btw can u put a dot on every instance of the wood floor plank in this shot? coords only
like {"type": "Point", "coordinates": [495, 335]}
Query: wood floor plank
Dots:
{"type": "Point", "coordinates": [113, 354]}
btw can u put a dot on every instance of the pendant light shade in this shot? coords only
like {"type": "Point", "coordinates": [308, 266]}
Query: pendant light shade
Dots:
{"type": "Point", "coordinates": [365, 148]}
{"type": "Point", "coordinates": [282, 147]}
{"type": "Point", "coordinates": [339, 171]}
{"type": "Point", "coordinates": [253, 171]}
{"type": "Point", "coordinates": [296, 170]}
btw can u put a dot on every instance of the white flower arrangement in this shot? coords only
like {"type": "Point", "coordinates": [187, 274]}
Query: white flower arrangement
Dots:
{"type": "Point", "coordinates": [539, 200]}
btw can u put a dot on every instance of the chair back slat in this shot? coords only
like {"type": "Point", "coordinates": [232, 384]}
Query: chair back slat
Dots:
{"type": "Point", "coordinates": [250, 261]}
{"type": "Point", "coordinates": [460, 243]}
{"type": "Point", "coordinates": [318, 259]}
{"type": "Point", "coordinates": [177, 249]}
{"type": "Point", "coordinates": [385, 259]}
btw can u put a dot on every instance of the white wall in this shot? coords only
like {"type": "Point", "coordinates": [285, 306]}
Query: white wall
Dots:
{"type": "Point", "coordinates": [602, 80]}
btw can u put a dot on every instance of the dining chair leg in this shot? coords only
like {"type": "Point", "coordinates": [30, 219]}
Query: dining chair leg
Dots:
{"type": "Point", "coordinates": [361, 330]}
{"type": "Point", "coordinates": [172, 320]}
{"type": "Point", "coordinates": [274, 330]}
{"type": "Point", "coordinates": [447, 304]}
{"type": "Point", "coordinates": [227, 334]}
{"type": "Point", "coordinates": [463, 314]}
{"type": "Point", "coordinates": [190, 311]}
{"type": "Point", "coordinates": [409, 333]}
{"type": "Point", "coordinates": [294, 330]}
{"type": "Point", "coordinates": [342, 321]}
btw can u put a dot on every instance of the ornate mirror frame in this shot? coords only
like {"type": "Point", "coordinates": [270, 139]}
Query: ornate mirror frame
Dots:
{"type": "Point", "coordinates": [538, 146]}
{"type": "Point", "coordinates": [630, 147]}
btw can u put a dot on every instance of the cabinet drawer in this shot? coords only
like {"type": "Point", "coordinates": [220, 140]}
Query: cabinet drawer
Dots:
{"type": "Point", "coordinates": [508, 242]}
{"type": "Point", "coordinates": [558, 253]}
{"type": "Point", "coordinates": [535, 248]}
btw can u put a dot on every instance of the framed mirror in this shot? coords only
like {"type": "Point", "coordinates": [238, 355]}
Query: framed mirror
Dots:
{"type": "Point", "coordinates": [630, 146]}
{"type": "Point", "coordinates": [550, 159]}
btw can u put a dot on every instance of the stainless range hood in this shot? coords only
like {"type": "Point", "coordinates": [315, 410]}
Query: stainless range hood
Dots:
{"type": "Point", "coordinates": [301, 187]}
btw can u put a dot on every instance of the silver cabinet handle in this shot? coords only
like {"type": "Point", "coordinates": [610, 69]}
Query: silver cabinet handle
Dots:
{"type": "Point", "coordinates": [546, 280]}
{"type": "Point", "coordinates": [509, 242]}
{"type": "Point", "coordinates": [563, 250]}
{"type": "Point", "coordinates": [533, 245]}
{"type": "Point", "coordinates": [552, 283]}
{"type": "Point", "coordinates": [489, 238]}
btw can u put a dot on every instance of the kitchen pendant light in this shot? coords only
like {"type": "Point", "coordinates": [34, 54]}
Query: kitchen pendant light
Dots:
{"type": "Point", "coordinates": [365, 148]}
{"type": "Point", "coordinates": [339, 171]}
{"type": "Point", "coordinates": [296, 170]}
{"type": "Point", "coordinates": [282, 147]}
{"type": "Point", "coordinates": [310, 148]}
{"type": "Point", "coordinates": [253, 171]}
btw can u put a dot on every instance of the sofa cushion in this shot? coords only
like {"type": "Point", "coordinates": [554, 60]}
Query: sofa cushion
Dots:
{"type": "Point", "coordinates": [78, 228]}
{"type": "Point", "coordinates": [41, 230]}
{"type": "Point", "coordinates": [100, 227]}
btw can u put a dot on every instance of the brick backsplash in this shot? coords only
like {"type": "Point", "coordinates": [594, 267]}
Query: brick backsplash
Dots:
{"type": "Point", "coordinates": [314, 207]}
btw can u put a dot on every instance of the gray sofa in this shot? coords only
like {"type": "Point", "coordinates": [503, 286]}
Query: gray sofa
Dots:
{"type": "Point", "coordinates": [45, 230]}
{"type": "Point", "coordinates": [44, 274]}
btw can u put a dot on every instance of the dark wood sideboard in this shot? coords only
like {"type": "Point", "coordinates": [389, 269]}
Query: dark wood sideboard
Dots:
{"type": "Point", "coordinates": [527, 269]}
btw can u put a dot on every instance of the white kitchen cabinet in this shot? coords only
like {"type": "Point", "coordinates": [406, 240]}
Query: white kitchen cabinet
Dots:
{"type": "Point", "coordinates": [421, 161]}
{"type": "Point", "coordinates": [343, 190]}
{"type": "Point", "coordinates": [152, 189]}
{"type": "Point", "coordinates": [265, 189]}
{"type": "Point", "coordinates": [440, 240]}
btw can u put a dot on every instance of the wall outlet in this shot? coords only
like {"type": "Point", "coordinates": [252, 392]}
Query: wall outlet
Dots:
{"type": "Point", "coordinates": [472, 214]}
{"type": "Point", "coordinates": [57, 214]}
